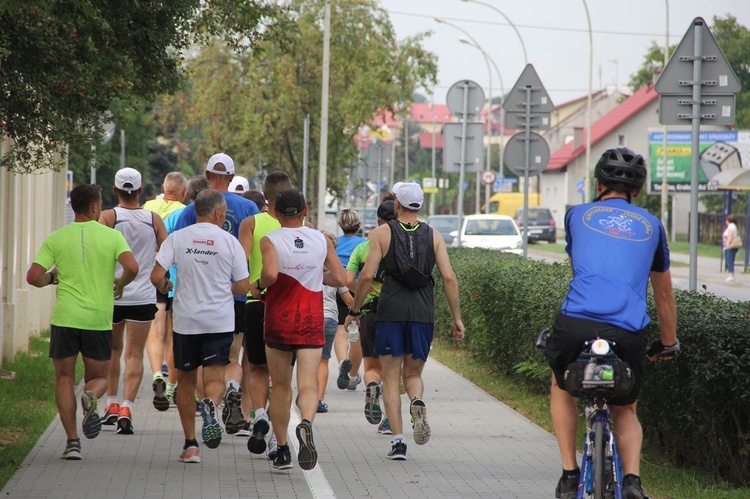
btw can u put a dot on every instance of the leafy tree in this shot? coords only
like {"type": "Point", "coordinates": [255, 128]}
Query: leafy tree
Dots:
{"type": "Point", "coordinates": [64, 62]}
{"type": "Point", "coordinates": [253, 106]}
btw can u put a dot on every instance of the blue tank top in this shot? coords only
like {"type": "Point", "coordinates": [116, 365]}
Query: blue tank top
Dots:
{"type": "Point", "coordinates": [613, 247]}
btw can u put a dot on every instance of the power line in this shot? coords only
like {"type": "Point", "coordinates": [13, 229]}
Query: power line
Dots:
{"type": "Point", "coordinates": [531, 26]}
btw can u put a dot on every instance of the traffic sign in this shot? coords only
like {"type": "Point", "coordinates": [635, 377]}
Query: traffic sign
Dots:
{"type": "Point", "coordinates": [516, 100]}
{"type": "Point", "coordinates": [715, 109]}
{"type": "Point", "coordinates": [488, 177]}
{"type": "Point", "coordinates": [517, 121]}
{"type": "Point", "coordinates": [538, 154]}
{"type": "Point", "coordinates": [379, 152]}
{"type": "Point", "coordinates": [717, 76]}
{"type": "Point", "coordinates": [580, 187]}
{"type": "Point", "coordinates": [455, 98]}
{"type": "Point", "coordinates": [429, 182]}
{"type": "Point", "coordinates": [452, 147]}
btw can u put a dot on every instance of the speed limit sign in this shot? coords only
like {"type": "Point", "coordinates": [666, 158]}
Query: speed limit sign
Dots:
{"type": "Point", "coordinates": [488, 177]}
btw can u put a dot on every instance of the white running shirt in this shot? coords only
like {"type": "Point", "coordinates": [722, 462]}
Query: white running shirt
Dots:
{"type": "Point", "coordinates": [137, 226]}
{"type": "Point", "coordinates": [208, 260]}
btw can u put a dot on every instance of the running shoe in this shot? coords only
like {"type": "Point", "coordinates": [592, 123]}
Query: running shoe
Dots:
{"type": "Point", "coordinates": [308, 455]}
{"type": "Point", "coordinates": [111, 414]}
{"type": "Point", "coordinates": [353, 382]}
{"type": "Point", "coordinates": [92, 423]}
{"type": "Point", "coordinates": [419, 423]}
{"type": "Point", "coordinates": [190, 455]}
{"type": "Point", "coordinates": [256, 444]}
{"type": "Point", "coordinates": [384, 428]}
{"type": "Point", "coordinates": [198, 405]}
{"type": "Point", "coordinates": [273, 448]}
{"type": "Point", "coordinates": [322, 406]}
{"type": "Point", "coordinates": [245, 430]}
{"type": "Point", "coordinates": [283, 458]}
{"type": "Point", "coordinates": [171, 394]}
{"type": "Point", "coordinates": [72, 450]}
{"type": "Point", "coordinates": [373, 412]}
{"type": "Point", "coordinates": [211, 432]}
{"type": "Point", "coordinates": [125, 422]}
{"type": "Point", "coordinates": [631, 487]}
{"type": "Point", "coordinates": [343, 380]}
{"type": "Point", "coordinates": [398, 451]}
{"type": "Point", "coordinates": [233, 407]}
{"type": "Point", "coordinates": [160, 389]}
{"type": "Point", "coordinates": [567, 487]}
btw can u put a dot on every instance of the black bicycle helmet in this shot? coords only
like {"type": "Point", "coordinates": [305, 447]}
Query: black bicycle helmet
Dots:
{"type": "Point", "coordinates": [621, 170]}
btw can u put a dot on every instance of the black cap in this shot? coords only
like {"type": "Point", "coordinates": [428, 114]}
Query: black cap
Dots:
{"type": "Point", "coordinates": [290, 202]}
{"type": "Point", "coordinates": [387, 210]}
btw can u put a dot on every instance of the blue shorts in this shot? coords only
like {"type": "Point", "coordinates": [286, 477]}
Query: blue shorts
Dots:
{"type": "Point", "coordinates": [330, 327]}
{"type": "Point", "coordinates": [403, 338]}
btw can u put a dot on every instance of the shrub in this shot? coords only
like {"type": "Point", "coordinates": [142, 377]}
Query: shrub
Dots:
{"type": "Point", "coordinates": [696, 407]}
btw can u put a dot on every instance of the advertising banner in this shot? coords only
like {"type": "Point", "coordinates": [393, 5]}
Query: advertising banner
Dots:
{"type": "Point", "coordinates": [720, 151]}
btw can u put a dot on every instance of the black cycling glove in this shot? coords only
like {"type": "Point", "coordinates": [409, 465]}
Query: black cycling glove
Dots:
{"type": "Point", "coordinates": [659, 350]}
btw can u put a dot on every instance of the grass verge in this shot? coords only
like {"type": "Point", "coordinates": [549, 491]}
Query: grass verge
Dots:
{"type": "Point", "coordinates": [663, 479]}
{"type": "Point", "coordinates": [29, 403]}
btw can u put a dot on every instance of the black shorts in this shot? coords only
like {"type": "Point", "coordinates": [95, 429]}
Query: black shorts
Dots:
{"type": "Point", "coordinates": [67, 342]}
{"type": "Point", "coordinates": [194, 350]}
{"type": "Point", "coordinates": [367, 334]}
{"type": "Point", "coordinates": [343, 309]}
{"type": "Point", "coordinates": [239, 316]}
{"type": "Point", "coordinates": [570, 333]}
{"type": "Point", "coordinates": [255, 346]}
{"type": "Point", "coordinates": [162, 298]}
{"type": "Point", "coordinates": [134, 313]}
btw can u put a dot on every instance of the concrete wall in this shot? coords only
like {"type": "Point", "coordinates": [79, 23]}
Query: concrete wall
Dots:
{"type": "Point", "coordinates": [31, 206]}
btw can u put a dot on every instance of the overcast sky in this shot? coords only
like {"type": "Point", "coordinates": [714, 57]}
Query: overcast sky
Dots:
{"type": "Point", "coordinates": [556, 36]}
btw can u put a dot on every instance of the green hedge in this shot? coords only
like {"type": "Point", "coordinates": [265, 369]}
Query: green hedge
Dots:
{"type": "Point", "coordinates": [696, 407]}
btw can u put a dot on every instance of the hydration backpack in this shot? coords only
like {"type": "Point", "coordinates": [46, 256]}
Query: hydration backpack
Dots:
{"type": "Point", "coordinates": [412, 251]}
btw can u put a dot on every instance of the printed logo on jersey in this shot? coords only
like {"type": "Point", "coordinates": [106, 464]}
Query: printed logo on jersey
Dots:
{"type": "Point", "coordinates": [619, 223]}
{"type": "Point", "coordinates": [299, 243]}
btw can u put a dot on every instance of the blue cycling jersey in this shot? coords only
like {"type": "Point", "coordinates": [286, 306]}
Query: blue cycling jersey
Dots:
{"type": "Point", "coordinates": [613, 248]}
{"type": "Point", "coordinates": [238, 208]}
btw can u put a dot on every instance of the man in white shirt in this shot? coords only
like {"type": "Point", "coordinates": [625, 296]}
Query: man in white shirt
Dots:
{"type": "Point", "coordinates": [213, 269]}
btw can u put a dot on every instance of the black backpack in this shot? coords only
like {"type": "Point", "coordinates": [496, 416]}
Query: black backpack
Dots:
{"type": "Point", "coordinates": [413, 254]}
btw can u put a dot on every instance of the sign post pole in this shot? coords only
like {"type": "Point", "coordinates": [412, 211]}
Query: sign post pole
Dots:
{"type": "Point", "coordinates": [697, 74]}
{"type": "Point", "coordinates": [462, 165]}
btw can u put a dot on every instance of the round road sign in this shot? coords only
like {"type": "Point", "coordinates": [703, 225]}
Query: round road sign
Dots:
{"type": "Point", "coordinates": [474, 100]}
{"type": "Point", "coordinates": [538, 154]}
{"type": "Point", "coordinates": [488, 177]}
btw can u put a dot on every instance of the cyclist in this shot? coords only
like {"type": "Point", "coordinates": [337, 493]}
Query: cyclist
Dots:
{"type": "Point", "coordinates": [611, 266]}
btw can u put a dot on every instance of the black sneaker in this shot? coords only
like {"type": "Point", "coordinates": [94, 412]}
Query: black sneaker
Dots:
{"type": "Point", "coordinates": [567, 488]}
{"type": "Point", "coordinates": [631, 487]}
{"type": "Point", "coordinates": [233, 406]}
{"type": "Point", "coordinates": [343, 380]}
{"type": "Point", "coordinates": [245, 430]}
{"type": "Point", "coordinates": [256, 444]}
{"type": "Point", "coordinates": [308, 455]}
{"type": "Point", "coordinates": [398, 451]}
{"type": "Point", "coordinates": [373, 412]}
{"type": "Point", "coordinates": [283, 459]}
{"type": "Point", "coordinates": [159, 386]}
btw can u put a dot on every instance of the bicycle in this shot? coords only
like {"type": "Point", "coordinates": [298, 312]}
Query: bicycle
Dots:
{"type": "Point", "coordinates": [597, 376]}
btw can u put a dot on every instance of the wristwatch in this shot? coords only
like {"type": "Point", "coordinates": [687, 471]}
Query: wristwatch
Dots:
{"type": "Point", "coordinates": [257, 284]}
{"type": "Point", "coordinates": [353, 313]}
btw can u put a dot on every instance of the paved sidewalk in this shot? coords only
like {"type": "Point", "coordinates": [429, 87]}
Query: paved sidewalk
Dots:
{"type": "Point", "coordinates": [479, 448]}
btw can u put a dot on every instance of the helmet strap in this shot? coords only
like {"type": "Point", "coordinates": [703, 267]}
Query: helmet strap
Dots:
{"type": "Point", "coordinates": [607, 191]}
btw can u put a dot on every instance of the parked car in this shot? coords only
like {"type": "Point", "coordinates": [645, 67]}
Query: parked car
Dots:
{"type": "Point", "coordinates": [445, 224]}
{"type": "Point", "coordinates": [541, 224]}
{"type": "Point", "coordinates": [369, 220]}
{"type": "Point", "coordinates": [498, 232]}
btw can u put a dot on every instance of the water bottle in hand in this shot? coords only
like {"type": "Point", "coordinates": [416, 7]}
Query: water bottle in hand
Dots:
{"type": "Point", "coordinates": [353, 332]}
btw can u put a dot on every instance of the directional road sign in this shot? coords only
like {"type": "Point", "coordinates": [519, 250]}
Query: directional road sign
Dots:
{"type": "Point", "coordinates": [717, 76]}
{"type": "Point", "coordinates": [455, 98]}
{"type": "Point", "coordinates": [452, 147]}
{"type": "Point", "coordinates": [538, 154]}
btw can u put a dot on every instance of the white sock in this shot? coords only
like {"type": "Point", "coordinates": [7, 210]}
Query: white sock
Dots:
{"type": "Point", "coordinates": [171, 386]}
{"type": "Point", "coordinates": [128, 404]}
{"type": "Point", "coordinates": [398, 438]}
{"type": "Point", "coordinates": [112, 400]}
{"type": "Point", "coordinates": [261, 413]}
{"type": "Point", "coordinates": [232, 383]}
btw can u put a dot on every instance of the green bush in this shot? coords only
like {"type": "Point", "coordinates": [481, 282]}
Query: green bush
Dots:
{"type": "Point", "coordinates": [696, 407]}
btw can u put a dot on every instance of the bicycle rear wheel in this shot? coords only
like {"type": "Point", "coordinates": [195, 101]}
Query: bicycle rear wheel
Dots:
{"type": "Point", "coordinates": [598, 458]}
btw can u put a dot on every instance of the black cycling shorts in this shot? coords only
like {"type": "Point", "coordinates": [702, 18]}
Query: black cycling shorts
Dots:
{"type": "Point", "coordinates": [255, 345]}
{"type": "Point", "coordinates": [68, 342]}
{"type": "Point", "coordinates": [134, 313]}
{"type": "Point", "coordinates": [570, 333]}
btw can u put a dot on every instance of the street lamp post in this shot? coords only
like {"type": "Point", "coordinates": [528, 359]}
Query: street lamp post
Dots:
{"type": "Point", "coordinates": [587, 166]}
{"type": "Point", "coordinates": [520, 38]}
{"type": "Point", "coordinates": [664, 170]}
{"type": "Point", "coordinates": [322, 173]}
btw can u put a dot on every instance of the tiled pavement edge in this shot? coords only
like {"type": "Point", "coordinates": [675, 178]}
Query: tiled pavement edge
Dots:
{"type": "Point", "coordinates": [479, 448]}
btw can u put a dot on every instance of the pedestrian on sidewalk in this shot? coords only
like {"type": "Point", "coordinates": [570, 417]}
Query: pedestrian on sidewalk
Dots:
{"type": "Point", "coordinates": [297, 262]}
{"type": "Point", "coordinates": [82, 256]}
{"type": "Point", "coordinates": [144, 232]}
{"type": "Point", "coordinates": [409, 250]}
{"type": "Point", "coordinates": [731, 243]}
{"type": "Point", "coordinates": [213, 269]}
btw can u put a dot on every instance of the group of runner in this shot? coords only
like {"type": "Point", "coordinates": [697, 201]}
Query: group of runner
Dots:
{"type": "Point", "coordinates": [197, 284]}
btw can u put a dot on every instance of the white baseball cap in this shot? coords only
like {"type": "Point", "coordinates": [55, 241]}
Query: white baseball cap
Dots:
{"type": "Point", "coordinates": [227, 164]}
{"type": "Point", "coordinates": [239, 184]}
{"type": "Point", "coordinates": [128, 179]}
{"type": "Point", "coordinates": [409, 194]}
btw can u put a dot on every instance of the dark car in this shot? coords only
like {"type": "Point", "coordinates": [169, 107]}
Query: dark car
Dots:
{"type": "Point", "coordinates": [541, 224]}
{"type": "Point", "coordinates": [445, 224]}
{"type": "Point", "coordinates": [369, 220]}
